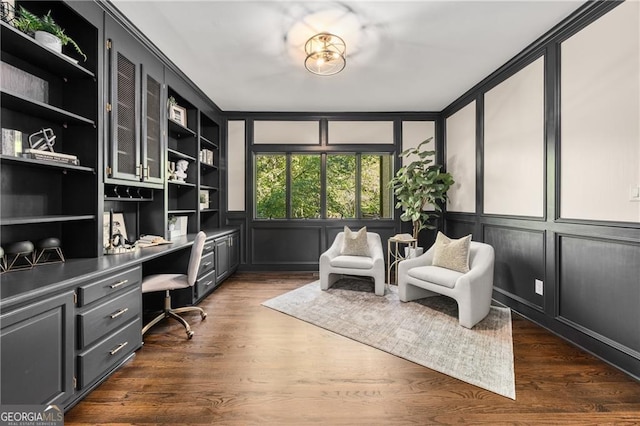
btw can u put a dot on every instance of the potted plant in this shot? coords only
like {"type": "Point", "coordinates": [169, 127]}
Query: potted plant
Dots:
{"type": "Point", "coordinates": [45, 30]}
{"type": "Point", "coordinates": [420, 184]}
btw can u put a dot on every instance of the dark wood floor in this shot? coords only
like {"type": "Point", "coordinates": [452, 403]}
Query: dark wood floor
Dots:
{"type": "Point", "coordinates": [248, 364]}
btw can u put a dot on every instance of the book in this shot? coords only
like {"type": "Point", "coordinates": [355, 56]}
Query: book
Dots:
{"type": "Point", "coordinates": [151, 240]}
{"type": "Point", "coordinates": [38, 154]}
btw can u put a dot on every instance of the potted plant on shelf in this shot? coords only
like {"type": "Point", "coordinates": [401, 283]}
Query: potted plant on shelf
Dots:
{"type": "Point", "coordinates": [45, 30]}
{"type": "Point", "coordinates": [418, 185]}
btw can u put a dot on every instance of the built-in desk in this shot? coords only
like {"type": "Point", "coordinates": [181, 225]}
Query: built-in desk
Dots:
{"type": "Point", "coordinates": [65, 327]}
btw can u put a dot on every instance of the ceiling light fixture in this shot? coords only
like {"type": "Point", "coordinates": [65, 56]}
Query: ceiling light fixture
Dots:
{"type": "Point", "coordinates": [325, 54]}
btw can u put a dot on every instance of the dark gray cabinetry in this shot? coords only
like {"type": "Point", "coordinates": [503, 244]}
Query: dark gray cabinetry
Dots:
{"type": "Point", "coordinates": [109, 324]}
{"type": "Point", "coordinates": [36, 343]}
{"type": "Point", "coordinates": [227, 251]}
{"type": "Point", "coordinates": [206, 274]}
{"type": "Point", "coordinates": [136, 110]}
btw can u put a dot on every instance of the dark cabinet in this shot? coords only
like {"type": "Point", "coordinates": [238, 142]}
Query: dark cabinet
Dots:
{"type": "Point", "coordinates": [136, 110]}
{"type": "Point", "coordinates": [37, 345]}
{"type": "Point", "coordinates": [227, 253]}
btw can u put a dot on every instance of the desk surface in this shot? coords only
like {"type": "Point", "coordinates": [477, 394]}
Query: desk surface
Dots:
{"type": "Point", "coordinates": [44, 279]}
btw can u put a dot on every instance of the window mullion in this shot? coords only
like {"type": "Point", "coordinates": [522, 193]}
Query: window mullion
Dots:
{"type": "Point", "coordinates": [358, 212]}
{"type": "Point", "coordinates": [288, 200]}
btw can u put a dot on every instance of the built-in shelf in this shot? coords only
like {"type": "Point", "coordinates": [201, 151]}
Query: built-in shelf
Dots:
{"type": "Point", "coordinates": [210, 166]}
{"type": "Point", "coordinates": [45, 219]}
{"type": "Point", "coordinates": [210, 188]}
{"type": "Point", "coordinates": [174, 153]}
{"type": "Point", "coordinates": [179, 131]}
{"type": "Point", "coordinates": [208, 142]}
{"type": "Point", "coordinates": [25, 105]}
{"type": "Point", "coordinates": [31, 162]}
{"type": "Point", "coordinates": [180, 183]}
{"type": "Point", "coordinates": [178, 212]}
{"type": "Point", "coordinates": [23, 46]}
{"type": "Point", "coordinates": [209, 211]}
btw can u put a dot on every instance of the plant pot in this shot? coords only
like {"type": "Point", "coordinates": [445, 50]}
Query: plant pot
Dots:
{"type": "Point", "coordinates": [410, 252]}
{"type": "Point", "coordinates": [49, 40]}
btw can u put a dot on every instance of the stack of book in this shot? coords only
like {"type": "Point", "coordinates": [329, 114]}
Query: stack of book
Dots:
{"type": "Point", "coordinates": [38, 154]}
{"type": "Point", "coordinates": [206, 156]}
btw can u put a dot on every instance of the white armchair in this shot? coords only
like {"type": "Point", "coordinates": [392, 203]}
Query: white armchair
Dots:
{"type": "Point", "coordinates": [418, 278]}
{"type": "Point", "coordinates": [333, 264]}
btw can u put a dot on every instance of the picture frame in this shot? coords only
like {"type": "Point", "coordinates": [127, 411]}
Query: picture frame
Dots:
{"type": "Point", "coordinates": [178, 114]}
{"type": "Point", "coordinates": [117, 226]}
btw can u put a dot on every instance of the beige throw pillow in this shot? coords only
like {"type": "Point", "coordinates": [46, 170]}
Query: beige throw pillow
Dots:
{"type": "Point", "coordinates": [452, 254]}
{"type": "Point", "coordinates": [355, 243]}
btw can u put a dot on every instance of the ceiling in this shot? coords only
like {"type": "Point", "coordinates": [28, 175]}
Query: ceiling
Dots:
{"type": "Point", "coordinates": [401, 55]}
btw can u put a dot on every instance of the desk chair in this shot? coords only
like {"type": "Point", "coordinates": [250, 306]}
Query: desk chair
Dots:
{"type": "Point", "coordinates": [168, 282]}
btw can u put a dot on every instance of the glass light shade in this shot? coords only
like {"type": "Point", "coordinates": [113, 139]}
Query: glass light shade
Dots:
{"type": "Point", "coordinates": [325, 54]}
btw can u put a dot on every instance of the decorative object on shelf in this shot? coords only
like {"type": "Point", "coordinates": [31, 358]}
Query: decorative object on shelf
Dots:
{"type": "Point", "coordinates": [171, 170]}
{"type": "Point", "coordinates": [114, 234]}
{"type": "Point", "coordinates": [41, 143]}
{"type": "Point", "coordinates": [8, 11]}
{"type": "Point", "coordinates": [23, 83]}
{"type": "Point", "coordinates": [178, 226]}
{"type": "Point", "coordinates": [418, 185]}
{"type": "Point", "coordinates": [172, 222]}
{"type": "Point", "coordinates": [11, 142]}
{"type": "Point", "coordinates": [20, 255]}
{"type": "Point", "coordinates": [325, 54]}
{"type": "Point", "coordinates": [181, 170]}
{"type": "Point", "coordinates": [178, 114]}
{"type": "Point", "coordinates": [44, 143]}
{"type": "Point", "coordinates": [49, 251]}
{"type": "Point", "coordinates": [204, 199]}
{"type": "Point", "coordinates": [171, 101]}
{"type": "Point", "coordinates": [45, 30]}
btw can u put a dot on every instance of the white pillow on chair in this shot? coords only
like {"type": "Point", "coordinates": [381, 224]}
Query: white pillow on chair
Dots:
{"type": "Point", "coordinates": [355, 243]}
{"type": "Point", "coordinates": [452, 254]}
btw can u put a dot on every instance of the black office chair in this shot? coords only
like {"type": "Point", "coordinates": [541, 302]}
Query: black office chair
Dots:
{"type": "Point", "coordinates": [168, 282]}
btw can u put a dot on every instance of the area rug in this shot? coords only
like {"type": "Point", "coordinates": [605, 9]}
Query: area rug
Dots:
{"type": "Point", "coordinates": [425, 331]}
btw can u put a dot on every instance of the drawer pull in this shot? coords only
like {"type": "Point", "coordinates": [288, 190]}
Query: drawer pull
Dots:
{"type": "Point", "coordinates": [119, 283]}
{"type": "Point", "coordinates": [116, 350]}
{"type": "Point", "coordinates": [207, 248]}
{"type": "Point", "coordinates": [208, 283]}
{"type": "Point", "coordinates": [208, 263]}
{"type": "Point", "coordinates": [120, 312]}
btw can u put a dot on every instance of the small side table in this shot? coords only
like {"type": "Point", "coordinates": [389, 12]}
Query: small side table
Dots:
{"type": "Point", "coordinates": [395, 255]}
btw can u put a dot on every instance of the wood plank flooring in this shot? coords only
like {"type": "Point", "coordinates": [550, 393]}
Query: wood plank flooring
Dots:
{"type": "Point", "coordinates": [248, 364]}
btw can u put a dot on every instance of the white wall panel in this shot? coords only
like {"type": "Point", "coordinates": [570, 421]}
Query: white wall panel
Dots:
{"type": "Point", "coordinates": [461, 159]}
{"type": "Point", "coordinates": [360, 132]}
{"type": "Point", "coordinates": [286, 132]}
{"type": "Point", "coordinates": [514, 144]}
{"type": "Point", "coordinates": [600, 121]}
{"type": "Point", "coordinates": [235, 165]}
{"type": "Point", "coordinates": [415, 132]}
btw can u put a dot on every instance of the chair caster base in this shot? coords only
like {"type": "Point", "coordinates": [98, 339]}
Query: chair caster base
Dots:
{"type": "Point", "coordinates": [189, 334]}
{"type": "Point", "coordinates": [203, 315]}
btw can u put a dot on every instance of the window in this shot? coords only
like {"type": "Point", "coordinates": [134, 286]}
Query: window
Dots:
{"type": "Point", "coordinates": [355, 186]}
{"type": "Point", "coordinates": [271, 186]}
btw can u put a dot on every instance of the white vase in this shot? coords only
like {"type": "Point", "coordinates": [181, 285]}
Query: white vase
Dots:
{"type": "Point", "coordinates": [49, 40]}
{"type": "Point", "coordinates": [410, 252]}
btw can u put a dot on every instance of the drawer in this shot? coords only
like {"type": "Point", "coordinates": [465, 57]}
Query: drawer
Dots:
{"type": "Point", "coordinates": [111, 284]}
{"type": "Point", "coordinates": [205, 284]}
{"type": "Point", "coordinates": [106, 317]}
{"type": "Point", "coordinates": [206, 264]}
{"type": "Point", "coordinates": [106, 354]}
{"type": "Point", "coordinates": [208, 247]}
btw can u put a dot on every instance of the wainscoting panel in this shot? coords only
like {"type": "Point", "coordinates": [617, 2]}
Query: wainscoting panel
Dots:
{"type": "Point", "coordinates": [598, 290]}
{"type": "Point", "coordinates": [458, 229]}
{"type": "Point", "coordinates": [286, 245]}
{"type": "Point", "coordinates": [519, 262]}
